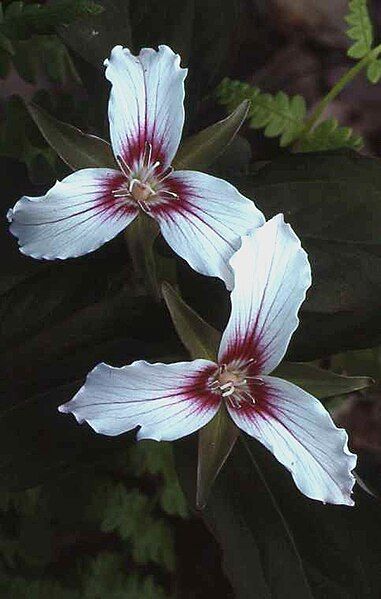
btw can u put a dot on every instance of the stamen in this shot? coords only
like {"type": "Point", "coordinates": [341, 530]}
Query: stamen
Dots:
{"type": "Point", "coordinates": [214, 385]}
{"type": "Point", "coordinates": [123, 166]}
{"type": "Point", "coordinates": [169, 193]}
{"type": "Point", "coordinates": [228, 392]}
{"type": "Point", "coordinates": [132, 183]}
{"type": "Point", "coordinates": [119, 193]}
{"type": "Point", "coordinates": [226, 386]}
{"type": "Point", "coordinates": [249, 398]}
{"type": "Point", "coordinates": [143, 205]}
{"type": "Point", "coordinates": [166, 172]}
{"type": "Point", "coordinates": [147, 155]}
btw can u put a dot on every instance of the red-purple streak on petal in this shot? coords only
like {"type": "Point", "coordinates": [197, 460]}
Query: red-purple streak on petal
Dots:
{"type": "Point", "coordinates": [134, 148]}
{"type": "Point", "coordinates": [109, 204]}
{"type": "Point", "coordinates": [199, 387]}
{"type": "Point", "coordinates": [261, 395]}
{"type": "Point", "coordinates": [181, 204]}
{"type": "Point", "coordinates": [245, 349]}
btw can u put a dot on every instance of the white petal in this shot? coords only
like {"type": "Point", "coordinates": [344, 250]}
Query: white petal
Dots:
{"type": "Point", "coordinates": [272, 275]}
{"type": "Point", "coordinates": [75, 217]}
{"type": "Point", "coordinates": [146, 102]}
{"type": "Point", "coordinates": [167, 401]}
{"type": "Point", "coordinates": [205, 223]}
{"type": "Point", "coordinates": [300, 433]}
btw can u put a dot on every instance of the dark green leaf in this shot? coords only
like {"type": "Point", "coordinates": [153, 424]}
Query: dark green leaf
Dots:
{"type": "Point", "coordinates": [140, 239]}
{"type": "Point", "coordinates": [56, 325]}
{"type": "Point", "coordinates": [215, 442]}
{"type": "Point", "coordinates": [21, 21]}
{"type": "Point", "coordinates": [77, 149]}
{"type": "Point", "coordinates": [326, 196]}
{"type": "Point", "coordinates": [320, 383]}
{"type": "Point", "coordinates": [199, 151]}
{"type": "Point", "coordinates": [94, 37]}
{"type": "Point", "coordinates": [276, 543]}
{"type": "Point", "coordinates": [6, 44]}
{"type": "Point", "coordinates": [333, 201]}
{"type": "Point", "coordinates": [200, 339]}
{"type": "Point", "coordinates": [260, 556]}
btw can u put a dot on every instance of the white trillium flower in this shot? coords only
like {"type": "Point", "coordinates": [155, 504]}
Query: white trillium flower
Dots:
{"type": "Point", "coordinates": [201, 217]}
{"type": "Point", "coordinates": [169, 401]}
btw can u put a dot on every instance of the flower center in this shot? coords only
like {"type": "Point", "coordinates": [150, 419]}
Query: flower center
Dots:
{"type": "Point", "coordinates": [231, 382]}
{"type": "Point", "coordinates": [145, 181]}
{"type": "Point", "coordinates": [140, 191]}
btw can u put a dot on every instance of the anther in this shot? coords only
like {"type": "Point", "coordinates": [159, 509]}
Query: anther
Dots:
{"type": "Point", "coordinates": [166, 172]}
{"type": "Point", "coordinates": [143, 206]}
{"type": "Point", "coordinates": [228, 391]}
{"type": "Point", "coordinates": [123, 166]}
{"type": "Point", "coordinates": [147, 153]}
{"type": "Point", "coordinates": [169, 193]}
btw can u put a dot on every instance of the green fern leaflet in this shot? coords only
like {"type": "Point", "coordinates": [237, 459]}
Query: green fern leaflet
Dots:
{"type": "Point", "coordinates": [279, 114]}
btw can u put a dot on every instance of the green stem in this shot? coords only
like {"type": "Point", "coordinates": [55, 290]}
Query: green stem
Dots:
{"type": "Point", "coordinates": [338, 87]}
{"type": "Point", "coordinates": [140, 237]}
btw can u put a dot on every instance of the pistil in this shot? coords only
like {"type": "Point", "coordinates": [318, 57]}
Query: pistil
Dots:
{"type": "Point", "coordinates": [232, 384]}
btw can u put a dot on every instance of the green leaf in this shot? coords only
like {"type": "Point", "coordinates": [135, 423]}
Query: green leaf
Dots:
{"type": "Point", "coordinates": [199, 151]}
{"type": "Point", "coordinates": [5, 64]}
{"type": "Point", "coordinates": [6, 44]}
{"type": "Point", "coordinates": [55, 328]}
{"type": "Point", "coordinates": [216, 439]}
{"type": "Point", "coordinates": [355, 362]}
{"type": "Point", "coordinates": [277, 543]}
{"type": "Point", "coordinates": [21, 21]}
{"type": "Point", "coordinates": [360, 29]}
{"type": "Point", "coordinates": [140, 239]}
{"type": "Point", "coordinates": [328, 135]}
{"type": "Point", "coordinates": [259, 553]}
{"type": "Point", "coordinates": [319, 382]}
{"type": "Point", "coordinates": [200, 339]}
{"type": "Point", "coordinates": [373, 71]}
{"type": "Point", "coordinates": [215, 442]}
{"type": "Point", "coordinates": [77, 149]}
{"type": "Point", "coordinates": [341, 190]}
{"type": "Point", "coordinates": [279, 114]}
{"type": "Point", "coordinates": [94, 37]}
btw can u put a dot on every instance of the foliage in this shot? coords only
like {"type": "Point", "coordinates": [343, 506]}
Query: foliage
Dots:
{"type": "Point", "coordinates": [284, 116]}
{"type": "Point", "coordinates": [20, 20]}
{"type": "Point", "coordinates": [274, 539]}
{"type": "Point", "coordinates": [111, 502]}
{"type": "Point", "coordinates": [328, 135]}
{"type": "Point", "coordinates": [100, 523]}
{"type": "Point", "coordinates": [360, 28]}
{"type": "Point", "coordinates": [279, 115]}
{"type": "Point", "coordinates": [360, 31]}
{"type": "Point", "coordinates": [29, 44]}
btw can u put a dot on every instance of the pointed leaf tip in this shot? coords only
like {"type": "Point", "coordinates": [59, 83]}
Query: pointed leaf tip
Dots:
{"type": "Point", "coordinates": [79, 150]}
{"type": "Point", "coordinates": [215, 442]}
{"type": "Point", "coordinates": [200, 339]}
{"type": "Point", "coordinates": [199, 151]}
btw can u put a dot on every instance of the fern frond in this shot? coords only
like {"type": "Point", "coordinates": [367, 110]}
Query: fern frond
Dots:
{"type": "Point", "coordinates": [279, 114]}
{"type": "Point", "coordinates": [328, 135]}
{"type": "Point", "coordinates": [360, 29]}
{"type": "Point", "coordinates": [373, 71]}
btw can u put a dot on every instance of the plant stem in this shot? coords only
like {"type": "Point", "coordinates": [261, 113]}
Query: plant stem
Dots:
{"type": "Point", "coordinates": [337, 88]}
{"type": "Point", "coordinates": [140, 237]}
